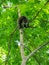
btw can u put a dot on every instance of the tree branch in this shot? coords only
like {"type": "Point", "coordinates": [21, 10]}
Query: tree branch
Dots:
{"type": "Point", "coordinates": [40, 47]}
{"type": "Point", "coordinates": [9, 45]}
{"type": "Point", "coordinates": [33, 55]}
{"type": "Point", "coordinates": [21, 43]}
{"type": "Point", "coordinates": [40, 10]}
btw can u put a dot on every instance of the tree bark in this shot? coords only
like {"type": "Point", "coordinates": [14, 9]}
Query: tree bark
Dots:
{"type": "Point", "coordinates": [21, 43]}
{"type": "Point", "coordinates": [23, 62]}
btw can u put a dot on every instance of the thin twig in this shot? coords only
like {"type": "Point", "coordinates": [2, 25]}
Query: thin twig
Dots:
{"type": "Point", "coordinates": [40, 10]}
{"type": "Point", "coordinates": [9, 45]}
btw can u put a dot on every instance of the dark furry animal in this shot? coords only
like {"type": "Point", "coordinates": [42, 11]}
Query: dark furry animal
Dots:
{"type": "Point", "coordinates": [23, 22]}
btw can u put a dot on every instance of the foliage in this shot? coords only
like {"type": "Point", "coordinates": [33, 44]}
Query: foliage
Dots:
{"type": "Point", "coordinates": [33, 37]}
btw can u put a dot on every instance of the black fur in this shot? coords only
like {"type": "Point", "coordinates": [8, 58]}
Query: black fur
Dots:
{"type": "Point", "coordinates": [23, 22]}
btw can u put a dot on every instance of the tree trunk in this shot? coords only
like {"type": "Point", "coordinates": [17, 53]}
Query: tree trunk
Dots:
{"type": "Point", "coordinates": [23, 62]}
